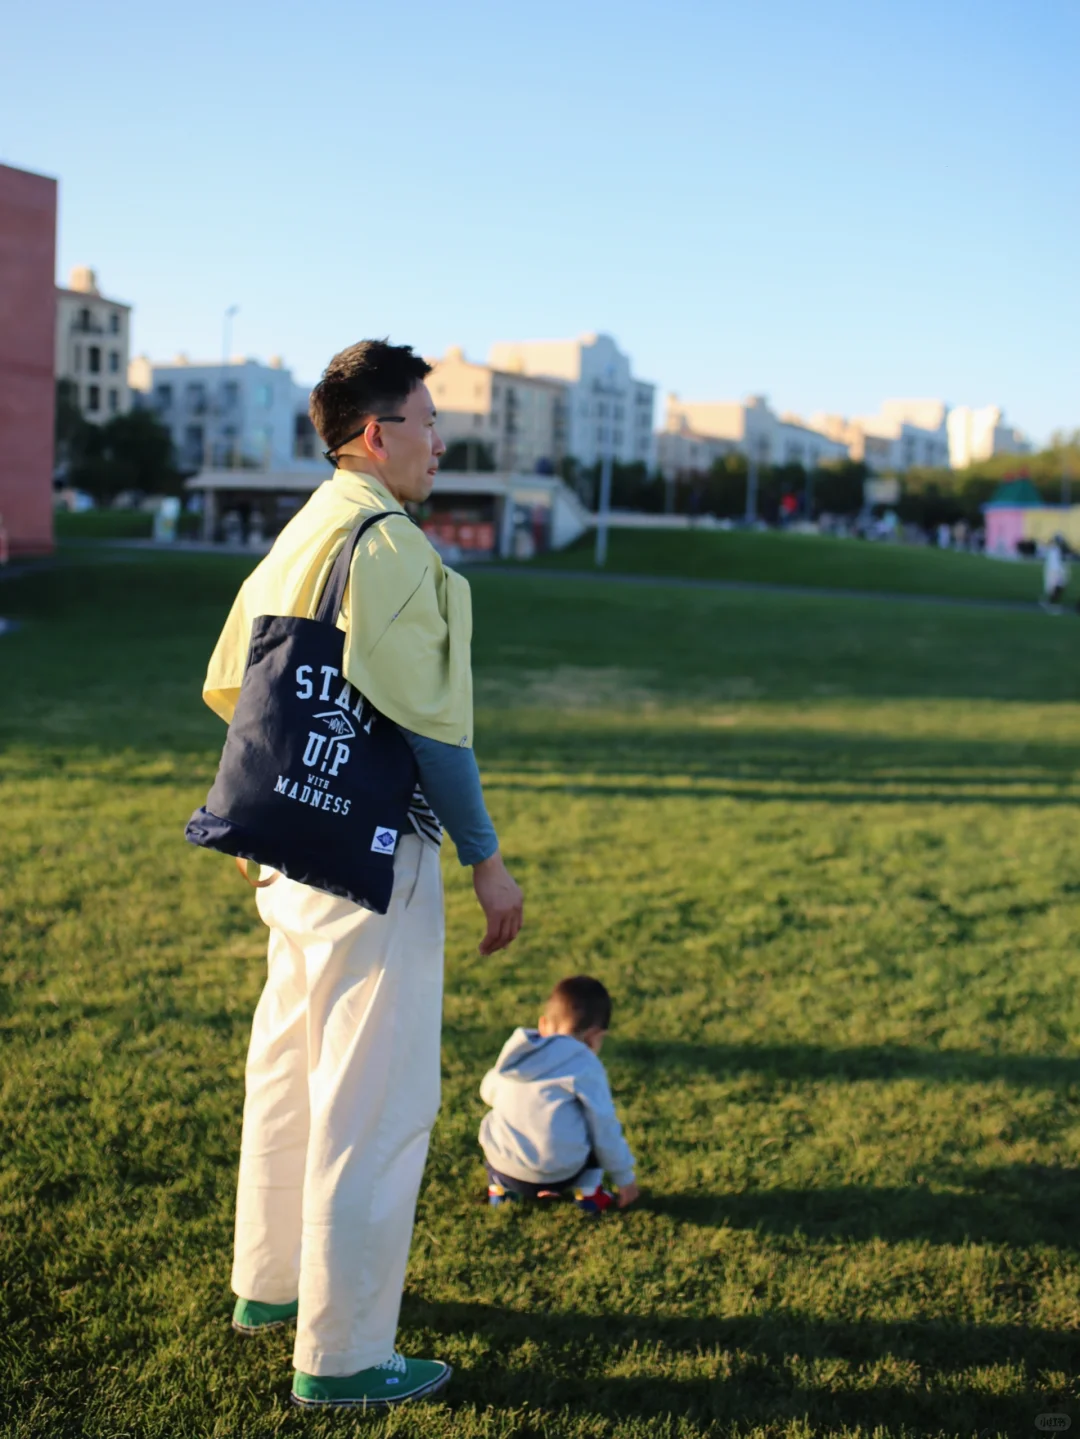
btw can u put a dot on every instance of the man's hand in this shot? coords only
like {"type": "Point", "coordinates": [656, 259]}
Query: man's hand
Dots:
{"type": "Point", "coordinates": [627, 1194]}
{"type": "Point", "coordinates": [501, 900]}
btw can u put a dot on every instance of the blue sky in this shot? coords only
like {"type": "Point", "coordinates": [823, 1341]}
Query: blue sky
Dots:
{"type": "Point", "coordinates": [828, 203]}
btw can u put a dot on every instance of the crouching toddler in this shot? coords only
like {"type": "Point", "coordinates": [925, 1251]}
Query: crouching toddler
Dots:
{"type": "Point", "coordinates": [552, 1127]}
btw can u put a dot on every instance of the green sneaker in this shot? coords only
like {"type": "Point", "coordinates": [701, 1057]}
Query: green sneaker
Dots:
{"type": "Point", "coordinates": [251, 1317]}
{"type": "Point", "coordinates": [381, 1387]}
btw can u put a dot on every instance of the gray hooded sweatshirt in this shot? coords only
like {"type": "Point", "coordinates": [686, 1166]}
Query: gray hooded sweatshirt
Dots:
{"type": "Point", "coordinates": [550, 1108]}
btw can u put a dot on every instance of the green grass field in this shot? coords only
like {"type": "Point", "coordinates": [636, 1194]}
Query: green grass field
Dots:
{"type": "Point", "coordinates": [819, 562]}
{"type": "Point", "coordinates": [825, 855]}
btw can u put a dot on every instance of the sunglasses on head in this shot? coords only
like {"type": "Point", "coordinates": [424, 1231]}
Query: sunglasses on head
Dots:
{"type": "Point", "coordinates": [330, 456]}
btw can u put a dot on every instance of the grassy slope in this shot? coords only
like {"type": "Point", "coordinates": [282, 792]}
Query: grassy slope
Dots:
{"type": "Point", "coordinates": [824, 855]}
{"type": "Point", "coordinates": [115, 525]}
{"type": "Point", "coordinates": [816, 561]}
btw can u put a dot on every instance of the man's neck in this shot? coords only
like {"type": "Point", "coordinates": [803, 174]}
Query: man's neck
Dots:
{"type": "Point", "coordinates": [368, 472]}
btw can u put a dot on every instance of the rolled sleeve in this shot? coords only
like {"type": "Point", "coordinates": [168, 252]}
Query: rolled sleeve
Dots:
{"type": "Point", "coordinates": [450, 780]}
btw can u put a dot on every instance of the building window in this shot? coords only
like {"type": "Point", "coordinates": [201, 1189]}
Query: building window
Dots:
{"type": "Point", "coordinates": [163, 397]}
{"type": "Point", "coordinates": [83, 322]}
{"type": "Point", "coordinates": [262, 397]}
{"type": "Point", "coordinates": [114, 402]}
{"type": "Point", "coordinates": [78, 358]}
{"type": "Point", "coordinates": [94, 354]}
{"type": "Point", "coordinates": [114, 362]}
{"type": "Point", "coordinates": [196, 397]}
{"type": "Point", "coordinates": [193, 445]}
{"type": "Point", "coordinates": [114, 323]}
{"type": "Point", "coordinates": [93, 399]}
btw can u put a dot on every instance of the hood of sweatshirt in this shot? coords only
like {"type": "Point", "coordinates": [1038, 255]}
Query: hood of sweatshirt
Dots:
{"type": "Point", "coordinates": [528, 1056]}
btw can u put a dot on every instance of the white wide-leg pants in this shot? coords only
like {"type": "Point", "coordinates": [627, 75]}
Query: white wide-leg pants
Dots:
{"type": "Point", "coordinates": [342, 1088]}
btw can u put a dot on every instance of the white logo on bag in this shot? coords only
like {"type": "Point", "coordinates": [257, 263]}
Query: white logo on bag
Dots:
{"type": "Point", "coordinates": [338, 722]}
{"type": "Point", "coordinates": [385, 841]}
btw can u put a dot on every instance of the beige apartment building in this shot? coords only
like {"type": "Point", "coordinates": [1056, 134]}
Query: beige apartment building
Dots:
{"type": "Point", "coordinates": [978, 434]}
{"type": "Point", "coordinates": [697, 433]}
{"type": "Point", "coordinates": [93, 340]}
{"type": "Point", "coordinates": [906, 433]}
{"type": "Point", "coordinates": [518, 420]}
{"type": "Point", "coordinates": [608, 410]}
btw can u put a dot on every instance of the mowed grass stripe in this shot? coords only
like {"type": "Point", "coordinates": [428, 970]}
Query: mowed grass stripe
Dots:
{"type": "Point", "coordinates": [816, 561]}
{"type": "Point", "coordinates": [827, 873]}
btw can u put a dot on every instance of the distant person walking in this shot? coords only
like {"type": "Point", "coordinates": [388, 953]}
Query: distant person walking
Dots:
{"type": "Point", "coordinates": [1055, 574]}
{"type": "Point", "coordinates": [342, 1075]}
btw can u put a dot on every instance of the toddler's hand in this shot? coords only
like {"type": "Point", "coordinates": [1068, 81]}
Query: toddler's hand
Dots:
{"type": "Point", "coordinates": [627, 1194]}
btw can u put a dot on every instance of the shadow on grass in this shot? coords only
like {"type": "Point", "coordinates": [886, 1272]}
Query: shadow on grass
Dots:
{"type": "Point", "coordinates": [671, 760]}
{"type": "Point", "coordinates": [814, 1061]}
{"type": "Point", "coordinates": [923, 1375]}
{"type": "Point", "coordinates": [809, 795]}
{"type": "Point", "coordinates": [1019, 1205]}
{"type": "Point", "coordinates": [647, 761]}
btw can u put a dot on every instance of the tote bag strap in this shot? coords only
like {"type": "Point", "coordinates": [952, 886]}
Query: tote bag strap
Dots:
{"type": "Point", "coordinates": [334, 589]}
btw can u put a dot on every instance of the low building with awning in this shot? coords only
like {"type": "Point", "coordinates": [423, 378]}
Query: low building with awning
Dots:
{"type": "Point", "coordinates": [1017, 513]}
{"type": "Point", "coordinates": [471, 515]}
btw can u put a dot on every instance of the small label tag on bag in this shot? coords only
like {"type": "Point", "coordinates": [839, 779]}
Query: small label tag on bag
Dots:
{"type": "Point", "coordinates": [385, 841]}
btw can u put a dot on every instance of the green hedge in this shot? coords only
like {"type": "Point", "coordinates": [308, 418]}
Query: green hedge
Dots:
{"type": "Point", "coordinates": [116, 525]}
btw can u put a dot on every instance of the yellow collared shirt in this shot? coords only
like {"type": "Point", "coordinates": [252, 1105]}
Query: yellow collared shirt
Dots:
{"type": "Point", "coordinates": [407, 617]}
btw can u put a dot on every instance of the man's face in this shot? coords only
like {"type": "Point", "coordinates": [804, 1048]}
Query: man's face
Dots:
{"type": "Point", "coordinates": [412, 450]}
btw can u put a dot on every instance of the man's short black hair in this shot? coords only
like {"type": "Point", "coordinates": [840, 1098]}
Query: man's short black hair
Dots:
{"type": "Point", "coordinates": [581, 1000]}
{"type": "Point", "coordinates": [371, 378]}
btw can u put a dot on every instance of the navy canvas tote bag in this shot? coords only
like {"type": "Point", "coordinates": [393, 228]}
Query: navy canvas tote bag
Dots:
{"type": "Point", "coordinates": [313, 780]}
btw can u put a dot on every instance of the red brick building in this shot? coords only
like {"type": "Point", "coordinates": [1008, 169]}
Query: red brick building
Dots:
{"type": "Point", "coordinates": [27, 354]}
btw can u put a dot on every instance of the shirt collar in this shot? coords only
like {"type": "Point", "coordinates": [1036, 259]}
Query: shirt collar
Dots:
{"type": "Point", "coordinates": [365, 489]}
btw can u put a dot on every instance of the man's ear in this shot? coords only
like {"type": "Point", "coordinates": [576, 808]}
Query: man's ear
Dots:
{"type": "Point", "coordinates": [375, 440]}
{"type": "Point", "coordinates": [544, 1026]}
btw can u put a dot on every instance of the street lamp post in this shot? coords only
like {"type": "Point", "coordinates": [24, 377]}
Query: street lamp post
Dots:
{"type": "Point", "coordinates": [226, 349]}
{"type": "Point", "coordinates": [604, 508]}
{"type": "Point", "coordinates": [751, 482]}
{"type": "Point", "coordinates": [603, 512]}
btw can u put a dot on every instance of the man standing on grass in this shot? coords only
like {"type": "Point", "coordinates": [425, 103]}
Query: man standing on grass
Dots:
{"type": "Point", "coordinates": [342, 1080]}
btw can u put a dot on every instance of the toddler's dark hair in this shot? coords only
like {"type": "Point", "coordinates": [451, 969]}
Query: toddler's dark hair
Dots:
{"type": "Point", "coordinates": [581, 1000]}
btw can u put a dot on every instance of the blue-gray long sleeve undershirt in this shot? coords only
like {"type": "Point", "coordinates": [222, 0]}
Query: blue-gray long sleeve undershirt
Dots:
{"type": "Point", "coordinates": [450, 781]}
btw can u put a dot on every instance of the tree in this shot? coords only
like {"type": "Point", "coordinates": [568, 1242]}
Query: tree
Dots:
{"type": "Point", "coordinates": [71, 437]}
{"type": "Point", "coordinates": [632, 486]}
{"type": "Point", "coordinates": [838, 488]}
{"type": "Point", "coordinates": [128, 452]}
{"type": "Point", "coordinates": [472, 455]}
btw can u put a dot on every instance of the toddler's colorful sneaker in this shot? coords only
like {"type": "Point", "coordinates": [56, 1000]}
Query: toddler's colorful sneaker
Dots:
{"type": "Point", "coordinates": [497, 1195]}
{"type": "Point", "coordinates": [593, 1204]}
{"type": "Point", "coordinates": [384, 1386]}
{"type": "Point", "coordinates": [251, 1317]}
